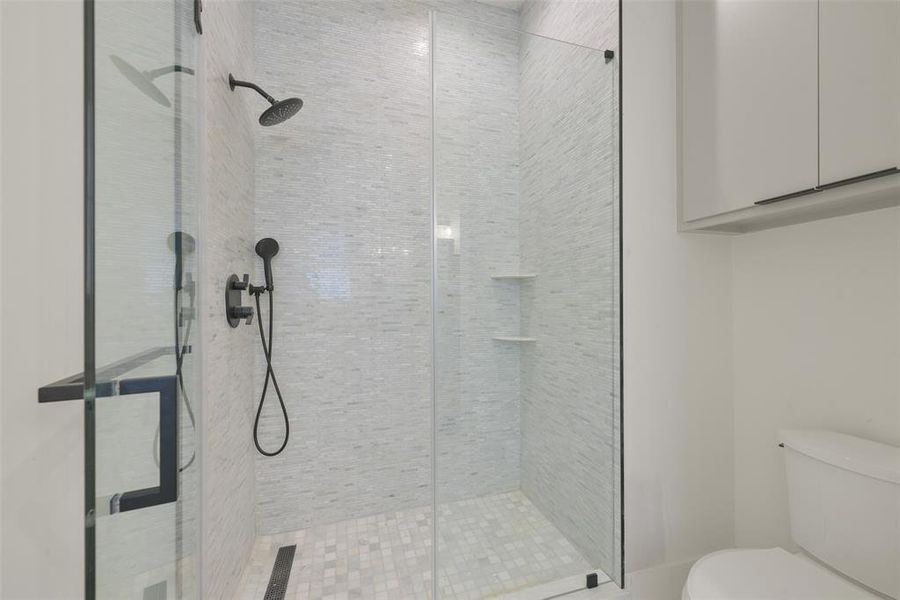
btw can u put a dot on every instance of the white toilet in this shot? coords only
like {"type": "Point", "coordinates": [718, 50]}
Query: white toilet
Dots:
{"type": "Point", "coordinates": [844, 497]}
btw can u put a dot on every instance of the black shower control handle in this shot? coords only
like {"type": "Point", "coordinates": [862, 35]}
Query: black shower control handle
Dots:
{"type": "Point", "coordinates": [242, 312]}
{"type": "Point", "coordinates": [241, 284]}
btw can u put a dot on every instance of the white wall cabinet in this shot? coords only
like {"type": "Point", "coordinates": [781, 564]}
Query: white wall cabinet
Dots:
{"type": "Point", "coordinates": [859, 87]}
{"type": "Point", "coordinates": [749, 98]}
{"type": "Point", "coordinates": [779, 99]}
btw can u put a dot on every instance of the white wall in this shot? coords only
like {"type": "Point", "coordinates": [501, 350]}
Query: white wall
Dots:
{"type": "Point", "coordinates": [677, 330]}
{"type": "Point", "coordinates": [42, 448]}
{"type": "Point", "coordinates": [816, 345]}
{"type": "Point", "coordinates": [728, 340]}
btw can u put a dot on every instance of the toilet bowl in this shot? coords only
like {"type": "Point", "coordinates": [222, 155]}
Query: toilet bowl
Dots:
{"type": "Point", "coordinates": [770, 574]}
{"type": "Point", "coordinates": [844, 506]}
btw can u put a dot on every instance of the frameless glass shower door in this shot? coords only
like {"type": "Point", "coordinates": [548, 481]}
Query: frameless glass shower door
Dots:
{"type": "Point", "coordinates": [142, 468]}
{"type": "Point", "coordinates": [526, 292]}
{"type": "Point", "coordinates": [501, 148]}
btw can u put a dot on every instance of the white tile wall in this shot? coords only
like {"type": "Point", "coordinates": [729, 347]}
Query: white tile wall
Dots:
{"type": "Point", "coordinates": [590, 23]}
{"type": "Point", "coordinates": [345, 187]}
{"type": "Point", "coordinates": [476, 154]}
{"type": "Point", "coordinates": [227, 246]}
{"type": "Point", "coordinates": [524, 173]}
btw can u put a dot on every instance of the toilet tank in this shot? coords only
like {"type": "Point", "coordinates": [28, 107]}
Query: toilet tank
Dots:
{"type": "Point", "coordinates": [844, 501]}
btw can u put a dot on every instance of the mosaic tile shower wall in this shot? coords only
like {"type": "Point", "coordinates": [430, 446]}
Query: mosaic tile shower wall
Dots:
{"type": "Point", "coordinates": [346, 188]}
{"type": "Point", "coordinates": [228, 238]}
{"type": "Point", "coordinates": [524, 176]}
{"type": "Point", "coordinates": [476, 154]}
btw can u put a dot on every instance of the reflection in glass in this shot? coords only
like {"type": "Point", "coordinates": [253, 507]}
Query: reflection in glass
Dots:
{"type": "Point", "coordinates": [145, 299]}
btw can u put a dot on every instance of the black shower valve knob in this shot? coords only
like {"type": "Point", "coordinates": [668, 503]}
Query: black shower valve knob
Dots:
{"type": "Point", "coordinates": [234, 307]}
{"type": "Point", "coordinates": [241, 284]}
{"type": "Point", "coordinates": [242, 312]}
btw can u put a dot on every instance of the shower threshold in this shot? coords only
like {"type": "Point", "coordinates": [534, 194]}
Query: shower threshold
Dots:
{"type": "Point", "coordinates": [497, 546]}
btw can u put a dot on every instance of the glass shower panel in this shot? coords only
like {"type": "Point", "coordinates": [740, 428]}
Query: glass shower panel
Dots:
{"type": "Point", "coordinates": [527, 392]}
{"type": "Point", "coordinates": [141, 461]}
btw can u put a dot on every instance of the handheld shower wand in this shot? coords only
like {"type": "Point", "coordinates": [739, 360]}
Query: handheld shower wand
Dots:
{"type": "Point", "coordinates": [267, 248]}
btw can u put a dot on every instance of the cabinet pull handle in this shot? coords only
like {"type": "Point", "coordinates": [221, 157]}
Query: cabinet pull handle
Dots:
{"type": "Point", "coordinates": [787, 196]}
{"type": "Point", "coordinates": [830, 186]}
{"type": "Point", "coordinates": [866, 177]}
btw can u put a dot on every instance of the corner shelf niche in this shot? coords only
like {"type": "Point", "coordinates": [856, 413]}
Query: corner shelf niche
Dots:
{"type": "Point", "coordinates": [514, 276]}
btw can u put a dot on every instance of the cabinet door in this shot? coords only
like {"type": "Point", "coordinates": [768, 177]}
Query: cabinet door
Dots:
{"type": "Point", "coordinates": [749, 97]}
{"type": "Point", "coordinates": [859, 79]}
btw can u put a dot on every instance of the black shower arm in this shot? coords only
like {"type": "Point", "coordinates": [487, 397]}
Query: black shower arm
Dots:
{"type": "Point", "coordinates": [233, 83]}
{"type": "Point", "coordinates": [166, 70]}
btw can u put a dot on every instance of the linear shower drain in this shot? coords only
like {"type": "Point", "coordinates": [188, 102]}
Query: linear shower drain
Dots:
{"type": "Point", "coordinates": [281, 573]}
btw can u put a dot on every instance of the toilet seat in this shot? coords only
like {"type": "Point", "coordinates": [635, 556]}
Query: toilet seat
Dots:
{"type": "Point", "coordinates": [771, 574]}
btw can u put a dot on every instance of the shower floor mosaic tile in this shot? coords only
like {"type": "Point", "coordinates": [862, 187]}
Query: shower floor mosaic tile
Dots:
{"type": "Point", "coordinates": [488, 546]}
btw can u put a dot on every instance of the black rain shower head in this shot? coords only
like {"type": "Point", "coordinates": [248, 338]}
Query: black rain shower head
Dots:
{"type": "Point", "coordinates": [279, 112]}
{"type": "Point", "coordinates": [143, 80]}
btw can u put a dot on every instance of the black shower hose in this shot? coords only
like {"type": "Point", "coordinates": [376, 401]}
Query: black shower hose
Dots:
{"type": "Point", "coordinates": [267, 351]}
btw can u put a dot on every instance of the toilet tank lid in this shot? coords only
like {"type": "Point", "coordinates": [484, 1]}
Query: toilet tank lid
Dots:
{"type": "Point", "coordinates": [879, 461]}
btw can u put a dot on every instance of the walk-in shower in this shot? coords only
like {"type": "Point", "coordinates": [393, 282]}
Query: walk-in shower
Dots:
{"type": "Point", "coordinates": [447, 317]}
